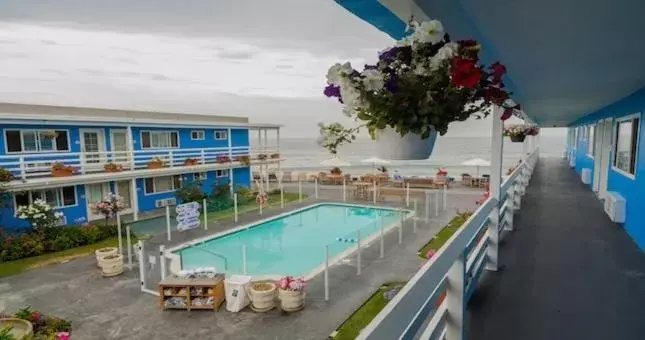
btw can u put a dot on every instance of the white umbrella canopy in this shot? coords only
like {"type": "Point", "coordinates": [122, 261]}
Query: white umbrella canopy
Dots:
{"type": "Point", "coordinates": [476, 162]}
{"type": "Point", "coordinates": [334, 161]}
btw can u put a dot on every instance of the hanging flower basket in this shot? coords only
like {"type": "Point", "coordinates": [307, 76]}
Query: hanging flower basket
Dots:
{"type": "Point", "coordinates": [517, 138]}
{"type": "Point", "coordinates": [414, 91]}
{"type": "Point", "coordinates": [518, 132]}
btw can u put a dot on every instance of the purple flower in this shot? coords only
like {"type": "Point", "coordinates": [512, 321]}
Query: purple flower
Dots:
{"type": "Point", "coordinates": [401, 53]}
{"type": "Point", "coordinates": [371, 67]}
{"type": "Point", "coordinates": [332, 91]}
{"type": "Point", "coordinates": [392, 84]}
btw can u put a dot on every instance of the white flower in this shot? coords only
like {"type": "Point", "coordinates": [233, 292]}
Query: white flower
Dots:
{"type": "Point", "coordinates": [373, 80]}
{"type": "Point", "coordinates": [446, 52]}
{"type": "Point", "coordinates": [337, 72]}
{"type": "Point", "coordinates": [428, 32]}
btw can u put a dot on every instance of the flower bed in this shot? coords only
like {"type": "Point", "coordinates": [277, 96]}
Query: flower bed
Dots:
{"type": "Point", "coordinates": [45, 327]}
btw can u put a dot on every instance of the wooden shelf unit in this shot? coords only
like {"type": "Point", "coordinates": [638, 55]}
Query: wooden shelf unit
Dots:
{"type": "Point", "coordinates": [216, 284]}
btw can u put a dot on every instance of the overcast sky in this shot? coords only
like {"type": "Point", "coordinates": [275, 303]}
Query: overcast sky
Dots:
{"type": "Point", "coordinates": [263, 59]}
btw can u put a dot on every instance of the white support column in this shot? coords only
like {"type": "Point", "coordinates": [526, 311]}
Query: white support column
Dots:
{"type": "Point", "coordinates": [130, 138]}
{"type": "Point", "coordinates": [230, 144]}
{"type": "Point", "coordinates": [455, 302]}
{"type": "Point", "coordinates": [135, 199]}
{"type": "Point", "coordinates": [495, 187]}
{"type": "Point", "coordinates": [278, 146]}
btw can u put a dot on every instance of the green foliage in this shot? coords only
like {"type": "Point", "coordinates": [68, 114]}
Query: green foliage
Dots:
{"type": "Point", "coordinates": [5, 334]}
{"type": "Point", "coordinates": [45, 326]}
{"type": "Point", "coordinates": [334, 135]}
{"type": "Point", "coordinates": [445, 233]}
{"type": "Point", "coordinates": [52, 240]}
{"type": "Point", "coordinates": [191, 192]}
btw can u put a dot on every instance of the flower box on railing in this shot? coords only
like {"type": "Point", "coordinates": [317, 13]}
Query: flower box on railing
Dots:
{"type": "Point", "coordinates": [222, 159]}
{"type": "Point", "coordinates": [156, 163]}
{"type": "Point", "coordinates": [62, 170]}
{"type": "Point", "coordinates": [246, 160]}
{"type": "Point", "coordinates": [262, 157]}
{"type": "Point", "coordinates": [6, 176]}
{"type": "Point", "coordinates": [113, 167]}
{"type": "Point", "coordinates": [191, 161]}
{"type": "Point", "coordinates": [275, 156]}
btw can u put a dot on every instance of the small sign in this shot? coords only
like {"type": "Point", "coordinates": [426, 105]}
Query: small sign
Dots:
{"type": "Point", "coordinates": [187, 216]}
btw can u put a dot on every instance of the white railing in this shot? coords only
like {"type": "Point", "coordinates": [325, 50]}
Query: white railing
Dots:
{"type": "Point", "coordinates": [432, 304]}
{"type": "Point", "coordinates": [27, 166]}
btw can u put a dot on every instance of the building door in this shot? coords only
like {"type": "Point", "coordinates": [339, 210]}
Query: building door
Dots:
{"type": "Point", "coordinates": [93, 147]}
{"type": "Point", "coordinates": [122, 189]}
{"type": "Point", "coordinates": [120, 147]}
{"type": "Point", "coordinates": [605, 154]}
{"type": "Point", "coordinates": [95, 193]}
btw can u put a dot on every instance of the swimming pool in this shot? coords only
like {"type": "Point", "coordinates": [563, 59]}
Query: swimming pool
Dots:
{"type": "Point", "coordinates": [292, 243]}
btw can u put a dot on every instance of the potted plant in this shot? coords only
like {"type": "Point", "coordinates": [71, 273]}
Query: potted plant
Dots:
{"type": "Point", "coordinates": [291, 293]}
{"type": "Point", "coordinates": [274, 156]}
{"type": "Point", "coordinates": [191, 161]}
{"type": "Point", "coordinates": [262, 295]}
{"type": "Point", "coordinates": [335, 171]}
{"type": "Point", "coordinates": [222, 159]}
{"type": "Point", "coordinates": [6, 176]}
{"type": "Point", "coordinates": [113, 167]}
{"type": "Point", "coordinates": [155, 163]}
{"type": "Point", "coordinates": [41, 326]}
{"type": "Point", "coordinates": [246, 160]}
{"type": "Point", "coordinates": [59, 169]}
{"type": "Point", "coordinates": [518, 132]}
{"type": "Point", "coordinates": [262, 157]}
{"type": "Point", "coordinates": [416, 89]}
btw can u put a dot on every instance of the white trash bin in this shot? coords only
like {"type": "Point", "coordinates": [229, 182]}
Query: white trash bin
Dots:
{"type": "Point", "coordinates": [236, 297]}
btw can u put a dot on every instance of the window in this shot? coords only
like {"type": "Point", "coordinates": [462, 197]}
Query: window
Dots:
{"type": "Point", "coordinates": [221, 135]}
{"type": "Point", "coordinates": [197, 135]}
{"type": "Point", "coordinates": [221, 173]}
{"type": "Point", "coordinates": [155, 185]}
{"type": "Point", "coordinates": [55, 197]}
{"type": "Point", "coordinates": [626, 144]}
{"type": "Point", "coordinates": [159, 139]}
{"type": "Point", "coordinates": [36, 140]}
{"type": "Point", "coordinates": [591, 140]}
{"type": "Point", "coordinates": [199, 176]}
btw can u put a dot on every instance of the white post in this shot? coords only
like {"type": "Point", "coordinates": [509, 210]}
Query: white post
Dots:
{"type": "Point", "coordinates": [436, 202]}
{"type": "Point", "coordinates": [407, 194]}
{"type": "Point", "coordinates": [358, 252]}
{"type": "Point", "coordinates": [326, 272]}
{"type": "Point", "coordinates": [510, 207]}
{"type": "Point", "coordinates": [171, 161]}
{"type": "Point", "coordinates": [162, 261]}
{"type": "Point", "coordinates": [261, 206]}
{"type": "Point", "coordinates": [299, 189]}
{"type": "Point", "coordinates": [23, 168]}
{"type": "Point", "coordinates": [414, 219]}
{"type": "Point", "coordinates": [427, 210]}
{"type": "Point", "coordinates": [382, 237]}
{"type": "Point", "coordinates": [130, 146]}
{"type": "Point", "coordinates": [374, 193]}
{"type": "Point", "coordinates": [235, 206]}
{"type": "Point", "coordinates": [135, 199]}
{"type": "Point", "coordinates": [205, 211]}
{"type": "Point", "coordinates": [495, 187]}
{"type": "Point", "coordinates": [129, 245]}
{"type": "Point", "coordinates": [316, 187]}
{"type": "Point", "coordinates": [168, 221]}
{"type": "Point", "coordinates": [344, 190]}
{"type": "Point", "coordinates": [118, 226]}
{"type": "Point", "coordinates": [244, 268]}
{"type": "Point", "coordinates": [445, 196]}
{"type": "Point", "coordinates": [281, 196]}
{"type": "Point", "coordinates": [202, 156]}
{"type": "Point", "coordinates": [401, 229]}
{"type": "Point", "coordinates": [142, 266]}
{"type": "Point", "coordinates": [455, 301]}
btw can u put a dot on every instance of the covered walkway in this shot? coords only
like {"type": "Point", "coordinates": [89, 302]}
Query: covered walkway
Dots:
{"type": "Point", "coordinates": [568, 271]}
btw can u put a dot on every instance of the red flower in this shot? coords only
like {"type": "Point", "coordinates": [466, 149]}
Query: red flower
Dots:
{"type": "Point", "coordinates": [498, 72]}
{"type": "Point", "coordinates": [465, 72]}
{"type": "Point", "coordinates": [495, 95]}
{"type": "Point", "coordinates": [507, 113]}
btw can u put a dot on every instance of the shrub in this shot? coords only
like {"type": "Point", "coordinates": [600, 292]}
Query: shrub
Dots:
{"type": "Point", "coordinates": [191, 192]}
{"type": "Point", "coordinates": [45, 326]}
{"type": "Point", "coordinates": [39, 214]}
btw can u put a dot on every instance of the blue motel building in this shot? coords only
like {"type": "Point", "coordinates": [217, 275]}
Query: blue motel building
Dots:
{"type": "Point", "coordinates": [111, 151]}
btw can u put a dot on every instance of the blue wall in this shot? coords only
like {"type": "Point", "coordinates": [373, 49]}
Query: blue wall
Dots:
{"type": "Point", "coordinates": [185, 142]}
{"type": "Point", "coordinates": [633, 190]}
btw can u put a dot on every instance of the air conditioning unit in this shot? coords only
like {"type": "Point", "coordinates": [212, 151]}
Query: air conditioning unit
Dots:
{"type": "Point", "coordinates": [165, 202]}
{"type": "Point", "coordinates": [615, 206]}
{"type": "Point", "coordinates": [586, 176]}
{"type": "Point", "coordinates": [61, 220]}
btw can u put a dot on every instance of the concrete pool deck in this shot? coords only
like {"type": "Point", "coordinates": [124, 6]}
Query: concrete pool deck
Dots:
{"type": "Point", "coordinates": [115, 308]}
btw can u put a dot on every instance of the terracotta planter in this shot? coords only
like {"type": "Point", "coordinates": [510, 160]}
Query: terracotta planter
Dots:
{"type": "Point", "coordinates": [262, 296]}
{"type": "Point", "coordinates": [191, 162]}
{"type": "Point", "coordinates": [391, 145]}
{"type": "Point", "coordinates": [63, 172]}
{"type": "Point", "coordinates": [112, 168]}
{"type": "Point", "coordinates": [291, 301]}
{"type": "Point", "coordinates": [155, 165]}
{"type": "Point", "coordinates": [517, 138]}
{"type": "Point", "coordinates": [275, 156]}
{"type": "Point", "coordinates": [20, 329]}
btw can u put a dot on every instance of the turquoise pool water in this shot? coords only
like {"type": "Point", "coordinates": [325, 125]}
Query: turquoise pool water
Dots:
{"type": "Point", "coordinates": [293, 244]}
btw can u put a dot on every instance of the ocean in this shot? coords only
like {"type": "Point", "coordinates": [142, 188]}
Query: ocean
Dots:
{"type": "Point", "coordinates": [304, 154]}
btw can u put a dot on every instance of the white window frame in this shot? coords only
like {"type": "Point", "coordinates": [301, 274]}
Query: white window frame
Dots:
{"type": "Point", "coordinates": [38, 131]}
{"type": "Point", "coordinates": [59, 193]}
{"type": "Point", "coordinates": [221, 173]}
{"type": "Point", "coordinates": [200, 176]}
{"type": "Point", "coordinates": [201, 135]}
{"type": "Point", "coordinates": [223, 133]}
{"type": "Point", "coordinates": [591, 141]}
{"type": "Point", "coordinates": [614, 141]}
{"type": "Point", "coordinates": [154, 192]}
{"type": "Point", "coordinates": [159, 132]}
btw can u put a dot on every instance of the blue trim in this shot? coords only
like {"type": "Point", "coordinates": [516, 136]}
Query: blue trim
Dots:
{"type": "Point", "coordinates": [376, 15]}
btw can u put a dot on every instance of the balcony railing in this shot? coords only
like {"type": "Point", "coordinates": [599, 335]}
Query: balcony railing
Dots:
{"type": "Point", "coordinates": [29, 166]}
{"type": "Point", "coordinates": [432, 304]}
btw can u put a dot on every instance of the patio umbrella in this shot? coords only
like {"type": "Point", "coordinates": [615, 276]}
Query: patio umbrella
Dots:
{"type": "Point", "coordinates": [375, 161]}
{"type": "Point", "coordinates": [476, 162]}
{"type": "Point", "coordinates": [334, 161]}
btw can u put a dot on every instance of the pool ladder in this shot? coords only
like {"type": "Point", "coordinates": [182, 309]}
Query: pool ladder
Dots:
{"type": "Point", "coordinates": [215, 254]}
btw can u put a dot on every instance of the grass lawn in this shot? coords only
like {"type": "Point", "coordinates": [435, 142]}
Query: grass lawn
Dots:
{"type": "Point", "coordinates": [362, 316]}
{"type": "Point", "coordinates": [273, 200]}
{"type": "Point", "coordinates": [22, 265]}
{"type": "Point", "coordinates": [368, 311]}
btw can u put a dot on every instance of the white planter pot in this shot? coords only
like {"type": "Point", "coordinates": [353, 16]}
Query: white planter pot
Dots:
{"type": "Point", "coordinates": [112, 265]}
{"type": "Point", "coordinates": [291, 301]}
{"type": "Point", "coordinates": [390, 145]}
{"type": "Point", "coordinates": [103, 252]}
{"type": "Point", "coordinates": [262, 300]}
